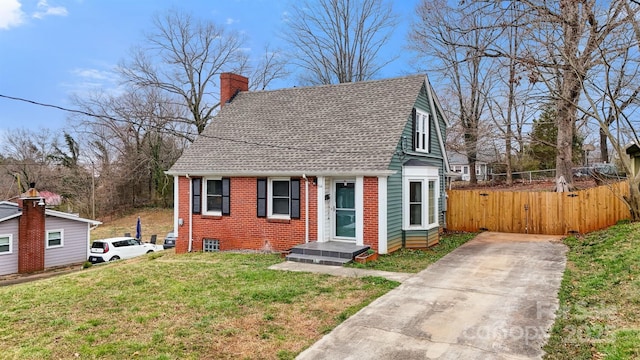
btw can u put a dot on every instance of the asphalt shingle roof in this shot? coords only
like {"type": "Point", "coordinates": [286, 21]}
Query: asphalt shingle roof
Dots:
{"type": "Point", "coordinates": [352, 127]}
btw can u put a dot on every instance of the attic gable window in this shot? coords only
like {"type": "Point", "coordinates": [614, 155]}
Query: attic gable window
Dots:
{"type": "Point", "coordinates": [420, 131]}
{"type": "Point", "coordinates": [6, 244]}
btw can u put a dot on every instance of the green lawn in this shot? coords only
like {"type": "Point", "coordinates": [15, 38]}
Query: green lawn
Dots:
{"type": "Point", "coordinates": [599, 315]}
{"type": "Point", "coordinates": [413, 261]}
{"type": "Point", "coordinates": [167, 306]}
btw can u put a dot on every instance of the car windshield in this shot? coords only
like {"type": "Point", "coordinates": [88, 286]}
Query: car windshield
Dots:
{"type": "Point", "coordinates": [97, 245]}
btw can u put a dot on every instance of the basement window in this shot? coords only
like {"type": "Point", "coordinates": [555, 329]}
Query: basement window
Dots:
{"type": "Point", "coordinates": [211, 245]}
{"type": "Point", "coordinates": [6, 242]}
{"type": "Point", "coordinates": [55, 239]}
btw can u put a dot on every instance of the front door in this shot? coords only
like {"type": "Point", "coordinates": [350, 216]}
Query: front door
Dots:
{"type": "Point", "coordinates": [345, 211]}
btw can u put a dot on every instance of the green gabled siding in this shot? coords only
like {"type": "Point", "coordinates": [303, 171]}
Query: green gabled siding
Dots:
{"type": "Point", "coordinates": [395, 235]}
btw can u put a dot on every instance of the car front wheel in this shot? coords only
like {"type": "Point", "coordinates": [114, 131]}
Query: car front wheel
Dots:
{"type": "Point", "coordinates": [150, 251]}
{"type": "Point", "coordinates": [115, 258]}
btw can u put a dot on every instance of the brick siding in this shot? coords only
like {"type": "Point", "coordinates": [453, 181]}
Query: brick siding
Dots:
{"type": "Point", "coordinates": [31, 232]}
{"type": "Point", "coordinates": [243, 229]}
{"type": "Point", "coordinates": [371, 212]}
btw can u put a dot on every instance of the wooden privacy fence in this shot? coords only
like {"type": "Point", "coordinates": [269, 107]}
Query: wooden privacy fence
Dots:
{"type": "Point", "coordinates": [548, 213]}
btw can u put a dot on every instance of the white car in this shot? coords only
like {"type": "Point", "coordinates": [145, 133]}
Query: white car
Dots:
{"type": "Point", "coordinates": [119, 248]}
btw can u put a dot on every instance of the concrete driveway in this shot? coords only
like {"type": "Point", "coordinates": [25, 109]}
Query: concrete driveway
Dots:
{"type": "Point", "coordinates": [493, 298]}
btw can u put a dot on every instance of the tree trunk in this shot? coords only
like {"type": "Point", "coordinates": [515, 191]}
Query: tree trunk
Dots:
{"type": "Point", "coordinates": [508, 154]}
{"type": "Point", "coordinates": [633, 200]}
{"type": "Point", "coordinates": [564, 157]}
{"type": "Point", "coordinates": [604, 148]}
{"type": "Point", "coordinates": [569, 91]}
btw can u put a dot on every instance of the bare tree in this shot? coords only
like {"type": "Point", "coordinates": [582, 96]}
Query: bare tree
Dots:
{"type": "Point", "coordinates": [338, 41]}
{"type": "Point", "coordinates": [73, 179]}
{"type": "Point", "coordinates": [271, 66]}
{"type": "Point", "coordinates": [563, 50]}
{"type": "Point", "coordinates": [454, 40]}
{"type": "Point", "coordinates": [133, 135]}
{"type": "Point", "coordinates": [509, 103]}
{"type": "Point", "coordinates": [612, 96]}
{"type": "Point", "coordinates": [26, 157]}
{"type": "Point", "coordinates": [184, 57]}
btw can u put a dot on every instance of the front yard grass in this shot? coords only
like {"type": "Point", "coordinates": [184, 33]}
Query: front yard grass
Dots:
{"type": "Point", "coordinates": [167, 306]}
{"type": "Point", "coordinates": [599, 316]}
{"type": "Point", "coordinates": [413, 261]}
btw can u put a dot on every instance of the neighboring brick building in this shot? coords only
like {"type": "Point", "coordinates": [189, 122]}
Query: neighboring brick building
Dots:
{"type": "Point", "coordinates": [361, 163]}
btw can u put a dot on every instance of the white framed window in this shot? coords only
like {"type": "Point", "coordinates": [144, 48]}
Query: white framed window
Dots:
{"type": "Point", "coordinates": [420, 198]}
{"type": "Point", "coordinates": [212, 196]}
{"type": "Point", "coordinates": [279, 198]}
{"type": "Point", "coordinates": [421, 135]}
{"type": "Point", "coordinates": [55, 238]}
{"type": "Point", "coordinates": [6, 244]}
{"type": "Point", "coordinates": [416, 203]}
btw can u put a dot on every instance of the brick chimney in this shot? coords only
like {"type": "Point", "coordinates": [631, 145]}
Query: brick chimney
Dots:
{"type": "Point", "coordinates": [230, 84]}
{"type": "Point", "coordinates": [31, 232]}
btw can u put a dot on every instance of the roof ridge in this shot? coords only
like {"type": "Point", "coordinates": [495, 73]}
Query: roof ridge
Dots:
{"type": "Point", "coordinates": [321, 86]}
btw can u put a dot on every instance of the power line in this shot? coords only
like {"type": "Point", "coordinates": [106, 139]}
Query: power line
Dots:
{"type": "Point", "coordinates": [55, 107]}
{"type": "Point", "coordinates": [246, 142]}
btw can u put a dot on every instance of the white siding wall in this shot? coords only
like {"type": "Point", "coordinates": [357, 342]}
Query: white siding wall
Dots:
{"type": "Point", "coordinates": [76, 242]}
{"type": "Point", "coordinates": [9, 262]}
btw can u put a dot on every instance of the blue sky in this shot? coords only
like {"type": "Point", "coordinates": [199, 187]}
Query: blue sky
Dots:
{"type": "Point", "coordinates": [50, 49]}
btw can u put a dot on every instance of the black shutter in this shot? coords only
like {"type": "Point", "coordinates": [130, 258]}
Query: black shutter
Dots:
{"type": "Point", "coordinates": [295, 198]}
{"type": "Point", "coordinates": [262, 197]}
{"type": "Point", "coordinates": [226, 206]}
{"type": "Point", "coordinates": [414, 128]}
{"type": "Point", "coordinates": [196, 195]}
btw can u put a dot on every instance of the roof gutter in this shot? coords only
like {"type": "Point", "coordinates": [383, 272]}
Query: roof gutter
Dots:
{"type": "Point", "coordinates": [248, 173]}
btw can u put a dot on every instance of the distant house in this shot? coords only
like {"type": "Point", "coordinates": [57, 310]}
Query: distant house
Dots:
{"type": "Point", "coordinates": [360, 163]}
{"type": "Point", "coordinates": [460, 165]}
{"type": "Point", "coordinates": [33, 238]}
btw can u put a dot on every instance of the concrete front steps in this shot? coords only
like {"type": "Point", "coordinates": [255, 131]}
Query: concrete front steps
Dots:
{"type": "Point", "coordinates": [326, 253]}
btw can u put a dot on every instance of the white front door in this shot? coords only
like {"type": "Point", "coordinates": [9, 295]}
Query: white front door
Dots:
{"type": "Point", "coordinates": [343, 205]}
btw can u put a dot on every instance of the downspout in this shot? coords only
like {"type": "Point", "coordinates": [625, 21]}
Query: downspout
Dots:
{"type": "Point", "coordinates": [306, 208]}
{"type": "Point", "coordinates": [190, 213]}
